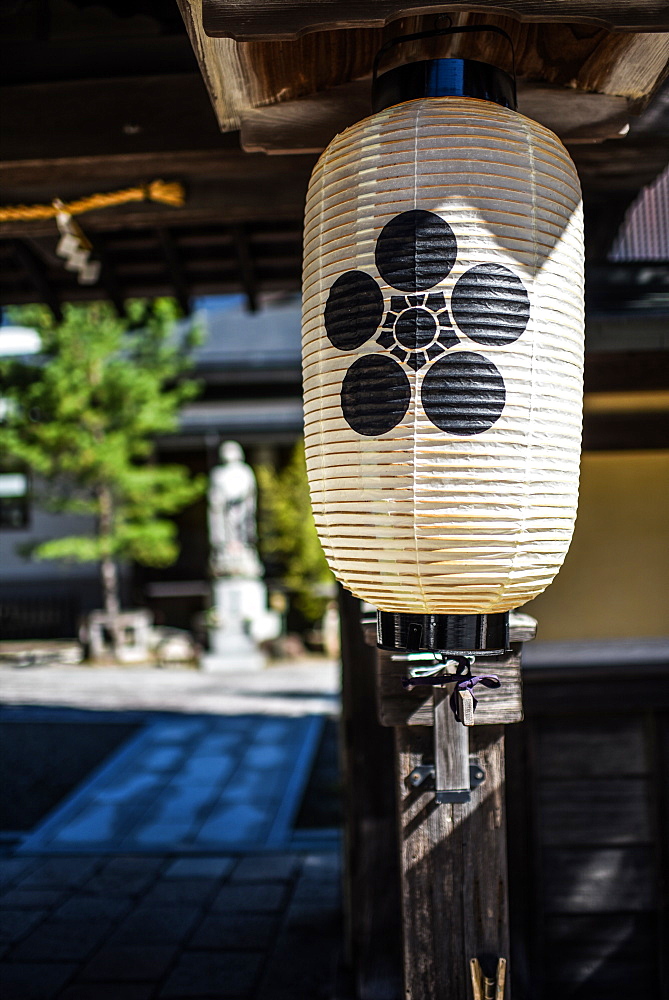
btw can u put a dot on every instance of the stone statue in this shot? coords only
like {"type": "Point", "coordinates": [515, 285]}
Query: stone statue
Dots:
{"type": "Point", "coordinates": [232, 516]}
{"type": "Point", "coordinates": [240, 619]}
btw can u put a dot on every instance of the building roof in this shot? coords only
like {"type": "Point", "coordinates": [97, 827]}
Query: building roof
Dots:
{"type": "Point", "coordinates": [237, 339]}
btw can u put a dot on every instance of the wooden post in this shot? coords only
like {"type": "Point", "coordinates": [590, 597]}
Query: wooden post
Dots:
{"type": "Point", "coordinates": [450, 887]}
{"type": "Point", "coordinates": [453, 870]}
{"type": "Point", "coordinates": [371, 853]}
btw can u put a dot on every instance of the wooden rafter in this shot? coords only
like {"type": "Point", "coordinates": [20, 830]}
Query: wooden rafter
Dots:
{"type": "Point", "coordinates": [175, 268]}
{"type": "Point", "coordinates": [246, 269]}
{"type": "Point", "coordinates": [221, 186]}
{"type": "Point", "coordinates": [205, 260]}
{"type": "Point", "coordinates": [36, 271]}
{"type": "Point", "coordinates": [108, 277]}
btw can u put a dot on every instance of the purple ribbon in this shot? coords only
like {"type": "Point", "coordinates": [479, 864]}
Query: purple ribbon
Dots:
{"type": "Point", "coordinates": [462, 683]}
{"type": "Point", "coordinates": [466, 684]}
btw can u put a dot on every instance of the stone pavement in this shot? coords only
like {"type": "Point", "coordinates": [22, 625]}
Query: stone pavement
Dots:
{"type": "Point", "coordinates": [174, 871]}
{"type": "Point", "coordinates": [190, 783]}
{"type": "Point", "coordinates": [138, 928]}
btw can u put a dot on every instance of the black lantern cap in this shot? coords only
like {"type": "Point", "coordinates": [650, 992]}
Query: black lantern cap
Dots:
{"type": "Point", "coordinates": [459, 635]}
{"type": "Point", "coordinates": [443, 78]}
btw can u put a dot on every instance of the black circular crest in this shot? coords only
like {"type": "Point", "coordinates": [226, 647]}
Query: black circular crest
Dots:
{"type": "Point", "coordinates": [415, 250]}
{"type": "Point", "coordinates": [491, 305]}
{"type": "Point", "coordinates": [353, 310]}
{"type": "Point", "coordinates": [375, 395]}
{"type": "Point", "coordinates": [463, 393]}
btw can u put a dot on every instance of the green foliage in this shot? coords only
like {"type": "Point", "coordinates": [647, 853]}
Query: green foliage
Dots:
{"type": "Point", "coordinates": [82, 416]}
{"type": "Point", "coordinates": [287, 534]}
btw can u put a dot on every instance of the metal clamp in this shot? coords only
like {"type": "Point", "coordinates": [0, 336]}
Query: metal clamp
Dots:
{"type": "Point", "coordinates": [485, 987]}
{"type": "Point", "coordinates": [453, 774]}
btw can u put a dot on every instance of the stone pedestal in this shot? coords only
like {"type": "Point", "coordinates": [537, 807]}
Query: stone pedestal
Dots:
{"type": "Point", "coordinates": [241, 621]}
{"type": "Point", "coordinates": [134, 636]}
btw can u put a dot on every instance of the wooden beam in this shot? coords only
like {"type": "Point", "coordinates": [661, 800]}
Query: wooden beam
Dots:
{"type": "Point", "coordinates": [306, 125]}
{"type": "Point", "coordinates": [626, 371]}
{"type": "Point", "coordinates": [72, 174]}
{"type": "Point", "coordinates": [149, 287]}
{"type": "Point", "coordinates": [638, 378]}
{"type": "Point", "coordinates": [247, 20]}
{"type": "Point", "coordinates": [621, 167]}
{"type": "Point", "coordinates": [220, 65]}
{"type": "Point", "coordinates": [110, 117]}
{"type": "Point", "coordinates": [309, 124]}
{"type": "Point", "coordinates": [616, 286]}
{"type": "Point", "coordinates": [625, 431]}
{"type": "Point", "coordinates": [239, 77]}
{"type": "Point", "coordinates": [234, 188]}
{"type": "Point", "coordinates": [582, 82]}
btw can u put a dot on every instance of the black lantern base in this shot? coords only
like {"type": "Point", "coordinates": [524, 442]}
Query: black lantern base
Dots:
{"type": "Point", "coordinates": [460, 635]}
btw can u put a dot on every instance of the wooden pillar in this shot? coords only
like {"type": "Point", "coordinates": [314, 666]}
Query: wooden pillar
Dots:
{"type": "Point", "coordinates": [453, 870]}
{"type": "Point", "coordinates": [371, 853]}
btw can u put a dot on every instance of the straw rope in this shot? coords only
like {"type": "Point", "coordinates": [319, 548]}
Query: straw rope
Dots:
{"type": "Point", "coordinates": [171, 193]}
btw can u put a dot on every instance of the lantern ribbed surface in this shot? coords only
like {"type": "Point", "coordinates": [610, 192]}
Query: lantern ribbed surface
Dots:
{"type": "Point", "coordinates": [443, 356]}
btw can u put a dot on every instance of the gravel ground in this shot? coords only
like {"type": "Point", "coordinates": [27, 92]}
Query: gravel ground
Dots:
{"type": "Point", "coordinates": [309, 687]}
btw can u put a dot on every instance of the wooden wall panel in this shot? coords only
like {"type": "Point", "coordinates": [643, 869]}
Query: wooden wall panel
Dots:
{"type": "Point", "coordinates": [588, 836]}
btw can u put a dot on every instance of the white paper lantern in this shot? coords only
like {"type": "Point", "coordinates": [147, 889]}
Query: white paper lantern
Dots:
{"type": "Point", "coordinates": [443, 356]}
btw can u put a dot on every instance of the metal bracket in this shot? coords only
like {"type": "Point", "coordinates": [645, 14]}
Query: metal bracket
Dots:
{"type": "Point", "coordinates": [452, 718]}
{"type": "Point", "coordinates": [453, 774]}
{"type": "Point", "coordinates": [424, 772]}
{"type": "Point", "coordinates": [420, 774]}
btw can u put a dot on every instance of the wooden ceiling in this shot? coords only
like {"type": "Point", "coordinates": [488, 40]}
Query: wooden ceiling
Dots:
{"type": "Point", "coordinates": [580, 79]}
{"type": "Point", "coordinates": [108, 95]}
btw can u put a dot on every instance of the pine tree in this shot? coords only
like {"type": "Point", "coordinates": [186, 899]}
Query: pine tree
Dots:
{"type": "Point", "coordinates": [287, 535]}
{"type": "Point", "coordinates": [82, 416]}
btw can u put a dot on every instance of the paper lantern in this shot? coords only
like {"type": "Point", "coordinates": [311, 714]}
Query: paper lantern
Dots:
{"type": "Point", "coordinates": [443, 358]}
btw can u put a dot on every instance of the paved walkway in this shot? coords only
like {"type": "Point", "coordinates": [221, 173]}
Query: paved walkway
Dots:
{"type": "Point", "coordinates": [190, 784]}
{"type": "Point", "coordinates": [174, 871]}
{"type": "Point", "coordinates": [137, 928]}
